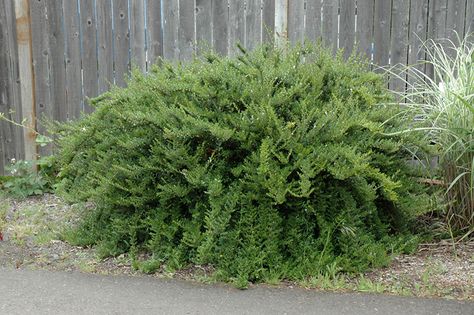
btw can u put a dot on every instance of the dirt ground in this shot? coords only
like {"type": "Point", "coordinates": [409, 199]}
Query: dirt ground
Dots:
{"type": "Point", "coordinates": [30, 237]}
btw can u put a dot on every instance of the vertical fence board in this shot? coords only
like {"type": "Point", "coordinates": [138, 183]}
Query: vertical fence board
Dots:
{"type": "Point", "coordinates": [365, 27]}
{"type": "Point", "coordinates": [455, 18]}
{"type": "Point", "coordinates": [73, 60]}
{"type": "Point", "coordinates": [469, 20]}
{"type": "Point", "coordinates": [137, 34]}
{"type": "Point", "coordinates": [330, 23]}
{"type": "Point", "coordinates": [347, 26]}
{"type": "Point", "coordinates": [437, 19]}
{"type": "Point", "coordinates": [296, 21]}
{"type": "Point", "coordinates": [41, 56]}
{"type": "Point", "coordinates": [57, 50]}
{"type": "Point", "coordinates": [253, 24]}
{"type": "Point", "coordinates": [220, 25]}
{"type": "Point", "coordinates": [154, 32]}
{"type": "Point", "coordinates": [105, 53]}
{"type": "Point", "coordinates": [25, 68]}
{"type": "Point", "coordinates": [186, 29]}
{"type": "Point", "coordinates": [89, 52]}
{"type": "Point", "coordinates": [382, 22]}
{"type": "Point", "coordinates": [399, 41]}
{"type": "Point", "coordinates": [170, 29]}
{"type": "Point", "coordinates": [203, 25]}
{"type": "Point", "coordinates": [237, 25]}
{"type": "Point", "coordinates": [313, 20]}
{"type": "Point", "coordinates": [121, 41]}
{"type": "Point", "coordinates": [268, 20]}
{"type": "Point", "coordinates": [417, 34]}
{"type": "Point", "coordinates": [10, 136]}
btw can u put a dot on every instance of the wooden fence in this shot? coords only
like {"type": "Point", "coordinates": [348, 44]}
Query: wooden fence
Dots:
{"type": "Point", "coordinates": [55, 54]}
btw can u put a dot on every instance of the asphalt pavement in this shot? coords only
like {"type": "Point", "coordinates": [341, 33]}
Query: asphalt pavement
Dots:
{"type": "Point", "coordinates": [44, 292]}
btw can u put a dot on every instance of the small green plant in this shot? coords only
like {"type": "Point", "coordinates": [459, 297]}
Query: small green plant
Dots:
{"type": "Point", "coordinates": [24, 180]}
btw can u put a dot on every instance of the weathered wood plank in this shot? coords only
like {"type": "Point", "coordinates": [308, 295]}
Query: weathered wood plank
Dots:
{"type": "Point", "coordinates": [154, 32]}
{"type": "Point", "coordinates": [9, 146]}
{"type": "Point", "coordinates": [313, 20]}
{"type": "Point", "coordinates": [436, 25]}
{"type": "Point", "coordinates": [57, 62]}
{"type": "Point", "coordinates": [105, 52]}
{"type": "Point", "coordinates": [347, 26]}
{"type": "Point", "coordinates": [24, 41]}
{"type": "Point", "coordinates": [281, 23]}
{"type": "Point", "coordinates": [89, 52]}
{"type": "Point", "coordinates": [237, 23]}
{"type": "Point", "coordinates": [14, 106]}
{"type": "Point", "coordinates": [330, 23]}
{"type": "Point", "coordinates": [41, 67]}
{"type": "Point", "coordinates": [365, 27]}
{"type": "Point", "coordinates": [399, 41]}
{"type": "Point", "coordinates": [137, 34]}
{"type": "Point", "coordinates": [469, 24]}
{"type": "Point", "coordinates": [417, 35]}
{"type": "Point", "coordinates": [296, 13]}
{"type": "Point", "coordinates": [382, 20]}
{"type": "Point", "coordinates": [203, 25]}
{"type": "Point", "coordinates": [170, 29]}
{"type": "Point", "coordinates": [121, 41]}
{"type": "Point", "coordinates": [455, 19]}
{"type": "Point", "coordinates": [268, 20]}
{"type": "Point", "coordinates": [186, 30]}
{"type": "Point", "coordinates": [73, 60]}
{"type": "Point", "coordinates": [437, 19]}
{"type": "Point", "coordinates": [220, 26]}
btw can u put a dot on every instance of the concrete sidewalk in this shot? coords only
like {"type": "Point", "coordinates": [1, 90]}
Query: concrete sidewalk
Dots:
{"type": "Point", "coordinates": [42, 292]}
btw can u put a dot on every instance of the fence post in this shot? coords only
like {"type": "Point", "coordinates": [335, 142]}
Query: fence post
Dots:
{"type": "Point", "coordinates": [281, 23]}
{"type": "Point", "coordinates": [25, 64]}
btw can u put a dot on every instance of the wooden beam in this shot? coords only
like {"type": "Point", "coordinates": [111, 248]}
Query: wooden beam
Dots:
{"type": "Point", "coordinates": [27, 85]}
{"type": "Point", "coordinates": [281, 23]}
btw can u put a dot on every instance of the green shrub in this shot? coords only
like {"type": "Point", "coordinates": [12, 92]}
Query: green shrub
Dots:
{"type": "Point", "coordinates": [270, 165]}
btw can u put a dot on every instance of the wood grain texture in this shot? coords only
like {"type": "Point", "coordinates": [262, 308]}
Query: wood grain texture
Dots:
{"type": "Point", "coordinates": [154, 32]}
{"type": "Point", "coordinates": [382, 22]}
{"type": "Point", "coordinates": [313, 20]}
{"type": "Point", "coordinates": [203, 25]}
{"type": "Point", "coordinates": [347, 26]}
{"type": "Point", "coordinates": [186, 30]}
{"type": "Point", "coordinates": [41, 67]}
{"type": "Point", "coordinates": [105, 49]}
{"type": "Point", "coordinates": [268, 20]}
{"type": "Point", "coordinates": [365, 27]}
{"type": "Point", "coordinates": [73, 60]}
{"type": "Point", "coordinates": [57, 61]}
{"type": "Point", "coordinates": [417, 35]}
{"type": "Point", "coordinates": [89, 52]}
{"type": "Point", "coordinates": [399, 41]}
{"type": "Point", "coordinates": [137, 34]}
{"type": "Point", "coordinates": [296, 11]}
{"type": "Point", "coordinates": [455, 20]}
{"type": "Point", "coordinates": [121, 41]}
{"type": "Point", "coordinates": [170, 29]}
{"type": "Point", "coordinates": [237, 23]}
{"type": "Point", "coordinates": [330, 23]}
{"type": "Point", "coordinates": [220, 26]}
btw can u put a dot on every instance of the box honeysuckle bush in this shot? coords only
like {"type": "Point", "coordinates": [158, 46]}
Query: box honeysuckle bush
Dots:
{"type": "Point", "coordinates": [270, 165]}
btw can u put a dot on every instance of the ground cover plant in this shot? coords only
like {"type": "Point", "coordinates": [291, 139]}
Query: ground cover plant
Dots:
{"type": "Point", "coordinates": [267, 166]}
{"type": "Point", "coordinates": [444, 106]}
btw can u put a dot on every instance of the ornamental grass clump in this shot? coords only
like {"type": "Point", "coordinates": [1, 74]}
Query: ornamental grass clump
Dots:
{"type": "Point", "coordinates": [444, 105]}
{"type": "Point", "coordinates": [266, 166]}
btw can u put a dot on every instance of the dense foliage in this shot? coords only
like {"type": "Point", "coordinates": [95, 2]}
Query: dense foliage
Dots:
{"type": "Point", "coordinates": [267, 166]}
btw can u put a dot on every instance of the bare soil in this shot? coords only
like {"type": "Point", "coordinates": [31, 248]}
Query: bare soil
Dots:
{"type": "Point", "coordinates": [31, 230]}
